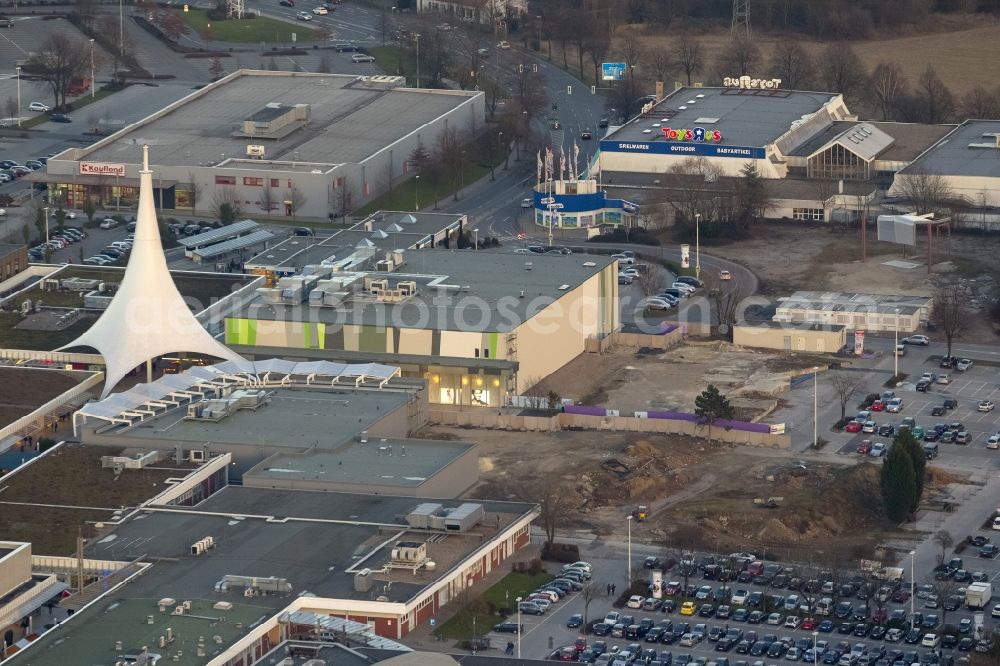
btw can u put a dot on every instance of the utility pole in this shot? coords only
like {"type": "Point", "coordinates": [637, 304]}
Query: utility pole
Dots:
{"type": "Point", "coordinates": [741, 20]}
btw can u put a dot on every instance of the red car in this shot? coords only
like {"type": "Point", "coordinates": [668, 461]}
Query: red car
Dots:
{"type": "Point", "coordinates": [581, 643]}
{"type": "Point", "coordinates": [853, 426]}
{"type": "Point", "coordinates": [865, 447]}
{"type": "Point", "coordinates": [878, 406]}
{"type": "Point", "coordinates": [808, 624]}
{"type": "Point", "coordinates": [880, 615]}
{"type": "Point", "coordinates": [567, 653]}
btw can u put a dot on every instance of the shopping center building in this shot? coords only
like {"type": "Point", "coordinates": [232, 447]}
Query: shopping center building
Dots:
{"type": "Point", "coordinates": [274, 144]}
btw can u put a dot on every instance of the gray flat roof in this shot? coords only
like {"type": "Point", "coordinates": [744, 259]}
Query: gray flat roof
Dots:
{"type": "Point", "coordinates": [399, 230]}
{"type": "Point", "coordinates": [8, 248]}
{"type": "Point", "coordinates": [349, 121]}
{"type": "Point", "coordinates": [387, 462]}
{"type": "Point", "coordinates": [909, 139]}
{"type": "Point", "coordinates": [971, 149]}
{"type": "Point", "coordinates": [745, 117]}
{"type": "Point", "coordinates": [482, 280]}
{"type": "Point", "coordinates": [295, 419]}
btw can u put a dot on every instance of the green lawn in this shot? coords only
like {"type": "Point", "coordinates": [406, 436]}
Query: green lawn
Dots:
{"type": "Point", "coordinates": [395, 60]}
{"type": "Point", "coordinates": [254, 30]}
{"type": "Point", "coordinates": [514, 585]}
{"type": "Point", "coordinates": [421, 192]}
{"type": "Point", "coordinates": [464, 625]}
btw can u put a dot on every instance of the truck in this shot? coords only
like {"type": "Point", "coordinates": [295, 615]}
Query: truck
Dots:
{"type": "Point", "coordinates": [78, 85]}
{"type": "Point", "coordinates": [978, 595]}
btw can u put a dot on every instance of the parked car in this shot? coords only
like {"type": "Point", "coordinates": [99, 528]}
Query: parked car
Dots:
{"type": "Point", "coordinates": [109, 223]}
{"type": "Point", "coordinates": [922, 340]}
{"type": "Point", "coordinates": [303, 16]}
{"type": "Point", "coordinates": [725, 275]}
{"type": "Point", "coordinates": [38, 106]}
{"type": "Point", "coordinates": [986, 406]}
{"type": "Point", "coordinates": [963, 365]}
{"type": "Point", "coordinates": [362, 57]}
{"type": "Point", "coordinates": [878, 450]}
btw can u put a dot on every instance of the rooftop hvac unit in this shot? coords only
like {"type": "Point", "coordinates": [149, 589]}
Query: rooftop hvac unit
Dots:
{"type": "Point", "coordinates": [385, 266]}
{"type": "Point", "coordinates": [255, 152]}
{"type": "Point", "coordinates": [464, 517]}
{"type": "Point", "coordinates": [407, 288]}
{"type": "Point", "coordinates": [409, 551]}
{"type": "Point", "coordinates": [195, 410]}
{"type": "Point", "coordinates": [377, 286]}
{"type": "Point", "coordinates": [363, 580]}
{"type": "Point", "coordinates": [421, 515]}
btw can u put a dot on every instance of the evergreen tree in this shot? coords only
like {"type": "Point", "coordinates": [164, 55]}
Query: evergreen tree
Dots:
{"type": "Point", "coordinates": [906, 441]}
{"type": "Point", "coordinates": [898, 484]}
{"type": "Point", "coordinates": [751, 193]}
{"type": "Point", "coordinates": [711, 405]}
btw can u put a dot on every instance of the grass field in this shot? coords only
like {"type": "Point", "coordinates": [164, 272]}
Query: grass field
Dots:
{"type": "Point", "coordinates": [420, 192]}
{"type": "Point", "coordinates": [255, 30]}
{"type": "Point", "coordinates": [394, 60]}
{"type": "Point", "coordinates": [962, 58]}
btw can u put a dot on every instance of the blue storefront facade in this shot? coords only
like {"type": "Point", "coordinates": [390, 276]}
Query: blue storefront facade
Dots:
{"type": "Point", "coordinates": [590, 207]}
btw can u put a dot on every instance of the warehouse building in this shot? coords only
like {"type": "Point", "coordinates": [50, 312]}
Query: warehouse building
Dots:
{"type": "Point", "coordinates": [822, 338]}
{"type": "Point", "coordinates": [479, 327]}
{"type": "Point", "coordinates": [277, 144]}
{"type": "Point", "coordinates": [867, 312]}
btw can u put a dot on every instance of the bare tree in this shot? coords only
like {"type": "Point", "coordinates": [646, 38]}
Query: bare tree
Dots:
{"type": "Point", "coordinates": [949, 312]}
{"type": "Point", "coordinates": [226, 196]}
{"type": "Point", "coordinates": [295, 199]}
{"type": "Point", "coordinates": [194, 191]}
{"type": "Point", "coordinates": [216, 69]}
{"type": "Point", "coordinates": [793, 65]}
{"type": "Point", "coordinates": [557, 501]}
{"type": "Point", "coordinates": [726, 297]}
{"type": "Point", "coordinates": [660, 64]}
{"type": "Point", "coordinates": [943, 589]}
{"type": "Point", "coordinates": [689, 57]}
{"type": "Point", "coordinates": [691, 182]}
{"type": "Point", "coordinates": [923, 189]}
{"type": "Point", "coordinates": [652, 281]}
{"type": "Point", "coordinates": [738, 58]}
{"type": "Point", "coordinates": [598, 45]}
{"type": "Point", "coordinates": [268, 198]}
{"type": "Point", "coordinates": [59, 60]}
{"type": "Point", "coordinates": [980, 103]}
{"type": "Point", "coordinates": [10, 110]}
{"type": "Point", "coordinates": [345, 197]}
{"type": "Point", "coordinates": [943, 539]}
{"type": "Point", "coordinates": [842, 71]}
{"type": "Point", "coordinates": [888, 85]}
{"type": "Point", "coordinates": [590, 593]}
{"type": "Point", "coordinates": [934, 96]}
{"type": "Point", "coordinates": [846, 385]}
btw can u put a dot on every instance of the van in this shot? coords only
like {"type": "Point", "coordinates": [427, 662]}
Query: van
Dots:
{"type": "Point", "coordinates": [824, 605]}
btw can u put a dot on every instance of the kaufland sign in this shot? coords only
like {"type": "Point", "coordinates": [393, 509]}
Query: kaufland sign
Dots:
{"type": "Point", "coordinates": [101, 169]}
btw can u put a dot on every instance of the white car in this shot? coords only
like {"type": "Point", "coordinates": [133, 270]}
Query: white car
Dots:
{"type": "Point", "coordinates": [635, 601]}
{"type": "Point", "coordinates": [320, 11]}
{"type": "Point", "coordinates": [579, 565]}
{"type": "Point", "coordinates": [930, 641]}
{"type": "Point", "coordinates": [740, 597]}
{"type": "Point", "coordinates": [109, 223]}
{"type": "Point", "coordinates": [878, 450]}
{"type": "Point", "coordinates": [996, 523]}
{"type": "Point", "coordinates": [986, 406]}
{"type": "Point", "coordinates": [527, 203]}
{"type": "Point", "coordinates": [944, 379]}
{"type": "Point", "coordinates": [38, 106]}
{"type": "Point", "coordinates": [895, 405]}
{"type": "Point", "coordinates": [304, 16]}
{"type": "Point", "coordinates": [624, 259]}
{"type": "Point", "coordinates": [963, 365]}
{"type": "Point", "coordinates": [725, 275]}
{"type": "Point", "coordinates": [916, 340]}
{"type": "Point", "coordinates": [993, 442]}
{"type": "Point", "coordinates": [362, 57]}
{"type": "Point", "coordinates": [503, 45]}
{"type": "Point", "coordinates": [684, 286]}
{"type": "Point", "coordinates": [996, 610]}
{"type": "Point", "coordinates": [792, 622]}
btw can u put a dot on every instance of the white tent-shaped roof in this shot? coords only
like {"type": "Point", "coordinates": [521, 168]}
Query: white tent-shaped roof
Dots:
{"type": "Point", "coordinates": [148, 316]}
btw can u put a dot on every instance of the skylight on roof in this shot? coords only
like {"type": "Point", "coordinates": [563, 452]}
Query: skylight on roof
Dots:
{"type": "Point", "coordinates": [706, 121]}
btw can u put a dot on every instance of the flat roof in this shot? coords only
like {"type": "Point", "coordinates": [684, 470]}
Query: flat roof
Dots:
{"type": "Point", "coordinates": [971, 149]}
{"type": "Point", "coordinates": [808, 326]}
{"type": "Point", "coordinates": [909, 139]}
{"type": "Point", "coordinates": [744, 117]}
{"type": "Point", "coordinates": [11, 248]}
{"type": "Point", "coordinates": [478, 282]}
{"type": "Point", "coordinates": [852, 302]}
{"type": "Point", "coordinates": [89, 637]}
{"type": "Point", "coordinates": [296, 419]}
{"type": "Point", "coordinates": [35, 387]}
{"type": "Point", "coordinates": [383, 231]}
{"type": "Point", "coordinates": [387, 462]}
{"type": "Point", "coordinates": [350, 120]}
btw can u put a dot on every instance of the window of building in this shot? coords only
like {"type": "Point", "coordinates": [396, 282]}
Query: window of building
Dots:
{"type": "Point", "coordinates": [486, 353]}
{"type": "Point", "coordinates": [838, 162]}
{"type": "Point", "coordinates": [225, 180]}
{"type": "Point", "coordinates": [253, 182]}
{"type": "Point", "coordinates": [814, 214]}
{"type": "Point", "coordinates": [275, 182]}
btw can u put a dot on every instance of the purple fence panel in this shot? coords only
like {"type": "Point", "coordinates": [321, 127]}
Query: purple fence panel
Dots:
{"type": "Point", "coordinates": [673, 416]}
{"type": "Point", "coordinates": [745, 426]}
{"type": "Point", "coordinates": [585, 410]}
{"type": "Point", "coordinates": [666, 327]}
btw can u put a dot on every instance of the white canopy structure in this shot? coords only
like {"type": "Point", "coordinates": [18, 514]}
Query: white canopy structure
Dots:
{"type": "Point", "coordinates": [196, 383]}
{"type": "Point", "coordinates": [148, 316]}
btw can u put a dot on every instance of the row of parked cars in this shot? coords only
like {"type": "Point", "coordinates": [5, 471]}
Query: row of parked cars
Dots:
{"type": "Point", "coordinates": [11, 170]}
{"type": "Point", "coordinates": [570, 579]}
{"type": "Point", "coordinates": [116, 251]}
{"type": "Point", "coordinates": [57, 241]}
{"type": "Point", "coordinates": [684, 287]}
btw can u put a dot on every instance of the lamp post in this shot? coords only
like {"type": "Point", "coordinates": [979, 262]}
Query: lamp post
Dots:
{"type": "Point", "coordinates": [121, 31]}
{"type": "Point", "coordinates": [92, 92]}
{"type": "Point", "coordinates": [416, 38]}
{"type": "Point", "coordinates": [18, 96]}
{"type": "Point", "coordinates": [816, 407]}
{"type": "Point", "coordinates": [815, 656]}
{"type": "Point", "coordinates": [46, 209]}
{"type": "Point", "coordinates": [493, 166]}
{"type": "Point", "coordinates": [895, 347]}
{"type": "Point", "coordinates": [628, 582]}
{"type": "Point", "coordinates": [697, 246]}
{"type": "Point", "coordinates": [416, 193]}
{"type": "Point", "coordinates": [475, 233]}
{"type": "Point", "coordinates": [518, 600]}
{"type": "Point", "coordinates": [913, 554]}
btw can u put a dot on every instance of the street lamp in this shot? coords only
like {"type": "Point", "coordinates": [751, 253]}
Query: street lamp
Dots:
{"type": "Point", "coordinates": [815, 656]}
{"type": "Point", "coordinates": [416, 193]}
{"type": "Point", "coordinates": [697, 246]}
{"type": "Point", "coordinates": [475, 233]}
{"type": "Point", "coordinates": [816, 407]}
{"type": "Point", "coordinates": [518, 600]}
{"type": "Point", "coordinates": [628, 582]}
{"type": "Point", "coordinates": [91, 69]}
{"type": "Point", "coordinates": [46, 209]}
{"type": "Point", "coordinates": [913, 554]}
{"type": "Point", "coordinates": [18, 96]}
{"type": "Point", "coordinates": [895, 348]}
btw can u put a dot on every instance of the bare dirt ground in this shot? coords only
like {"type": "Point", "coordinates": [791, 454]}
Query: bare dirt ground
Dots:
{"type": "Point", "coordinates": [631, 380]}
{"type": "Point", "coordinates": [787, 258]}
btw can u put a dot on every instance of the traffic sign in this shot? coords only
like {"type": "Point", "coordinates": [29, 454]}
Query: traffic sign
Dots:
{"type": "Point", "coordinates": [569, 90]}
{"type": "Point", "coordinates": [547, 200]}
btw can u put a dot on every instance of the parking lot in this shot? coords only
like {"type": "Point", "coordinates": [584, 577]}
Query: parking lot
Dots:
{"type": "Point", "coordinates": [969, 388]}
{"type": "Point", "coordinates": [769, 637]}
